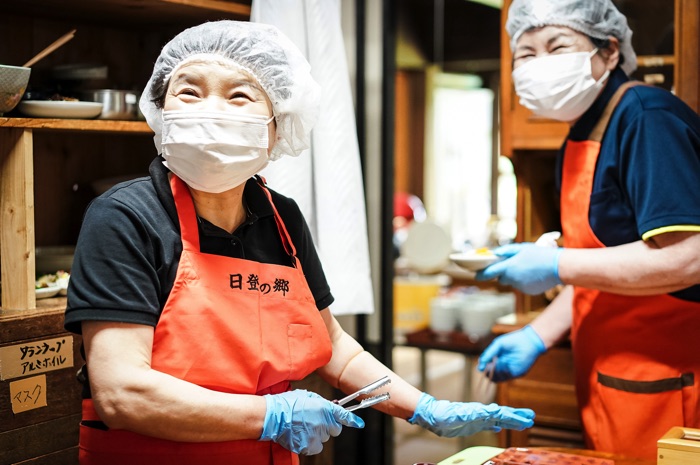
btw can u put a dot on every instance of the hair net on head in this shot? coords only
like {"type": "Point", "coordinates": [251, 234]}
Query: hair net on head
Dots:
{"type": "Point", "coordinates": [596, 18]}
{"type": "Point", "coordinates": [263, 51]}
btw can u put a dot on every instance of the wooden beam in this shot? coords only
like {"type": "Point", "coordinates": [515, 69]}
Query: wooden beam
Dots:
{"type": "Point", "coordinates": [687, 52]}
{"type": "Point", "coordinates": [217, 5]}
{"type": "Point", "coordinates": [17, 219]}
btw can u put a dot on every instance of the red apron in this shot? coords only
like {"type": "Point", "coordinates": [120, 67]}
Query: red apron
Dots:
{"type": "Point", "coordinates": [229, 325]}
{"type": "Point", "coordinates": [637, 374]}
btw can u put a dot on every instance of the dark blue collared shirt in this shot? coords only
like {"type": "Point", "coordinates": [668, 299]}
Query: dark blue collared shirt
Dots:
{"type": "Point", "coordinates": [647, 177]}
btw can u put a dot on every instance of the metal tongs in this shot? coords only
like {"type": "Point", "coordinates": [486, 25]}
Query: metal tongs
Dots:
{"type": "Point", "coordinates": [487, 379]}
{"type": "Point", "coordinates": [369, 401]}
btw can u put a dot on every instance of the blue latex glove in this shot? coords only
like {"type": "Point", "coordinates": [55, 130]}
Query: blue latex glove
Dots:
{"type": "Point", "coordinates": [302, 421]}
{"type": "Point", "coordinates": [529, 268]}
{"type": "Point", "coordinates": [452, 419]}
{"type": "Point", "coordinates": [515, 353]}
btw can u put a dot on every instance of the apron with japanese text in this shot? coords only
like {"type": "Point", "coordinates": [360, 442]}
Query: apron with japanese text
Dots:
{"type": "Point", "coordinates": [229, 325]}
{"type": "Point", "coordinates": [637, 373]}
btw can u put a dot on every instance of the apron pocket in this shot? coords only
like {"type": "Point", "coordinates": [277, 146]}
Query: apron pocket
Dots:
{"type": "Point", "coordinates": [300, 339]}
{"type": "Point", "coordinates": [647, 387]}
{"type": "Point", "coordinates": [633, 415]}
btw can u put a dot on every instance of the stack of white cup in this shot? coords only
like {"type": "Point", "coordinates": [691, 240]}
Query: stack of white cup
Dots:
{"type": "Point", "coordinates": [443, 314]}
{"type": "Point", "coordinates": [479, 312]}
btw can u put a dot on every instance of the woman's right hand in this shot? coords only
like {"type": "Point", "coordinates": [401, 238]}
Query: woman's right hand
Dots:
{"type": "Point", "coordinates": [302, 421]}
{"type": "Point", "coordinates": [514, 353]}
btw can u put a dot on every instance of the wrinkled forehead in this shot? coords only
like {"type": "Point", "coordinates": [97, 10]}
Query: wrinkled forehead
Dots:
{"type": "Point", "coordinates": [542, 36]}
{"type": "Point", "coordinates": [238, 72]}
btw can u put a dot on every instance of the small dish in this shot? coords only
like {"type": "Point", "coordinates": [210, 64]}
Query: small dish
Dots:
{"type": "Point", "coordinates": [474, 260]}
{"type": "Point", "coordinates": [46, 292]}
{"type": "Point", "coordinates": [60, 109]}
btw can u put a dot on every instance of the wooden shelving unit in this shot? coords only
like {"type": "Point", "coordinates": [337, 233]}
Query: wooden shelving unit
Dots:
{"type": "Point", "coordinates": [48, 168]}
{"type": "Point", "coordinates": [119, 32]}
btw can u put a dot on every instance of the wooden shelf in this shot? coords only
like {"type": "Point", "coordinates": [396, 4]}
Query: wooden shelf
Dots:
{"type": "Point", "coordinates": [454, 341]}
{"type": "Point", "coordinates": [133, 11]}
{"type": "Point", "coordinates": [49, 311]}
{"type": "Point", "coordinates": [133, 127]}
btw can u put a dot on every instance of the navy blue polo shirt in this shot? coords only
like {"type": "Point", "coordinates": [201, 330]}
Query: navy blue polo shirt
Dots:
{"type": "Point", "coordinates": [647, 177]}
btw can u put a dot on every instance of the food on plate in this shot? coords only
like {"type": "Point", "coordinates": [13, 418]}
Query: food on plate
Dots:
{"type": "Point", "coordinates": [485, 251]}
{"type": "Point", "coordinates": [58, 279]}
{"type": "Point", "coordinates": [62, 98]}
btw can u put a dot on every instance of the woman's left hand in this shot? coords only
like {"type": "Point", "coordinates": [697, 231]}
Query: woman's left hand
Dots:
{"type": "Point", "coordinates": [452, 419]}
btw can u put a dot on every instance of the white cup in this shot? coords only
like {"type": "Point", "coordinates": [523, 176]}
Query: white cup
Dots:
{"type": "Point", "coordinates": [478, 314]}
{"type": "Point", "coordinates": [443, 317]}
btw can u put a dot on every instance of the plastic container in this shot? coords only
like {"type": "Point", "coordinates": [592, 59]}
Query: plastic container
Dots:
{"type": "Point", "coordinates": [412, 296]}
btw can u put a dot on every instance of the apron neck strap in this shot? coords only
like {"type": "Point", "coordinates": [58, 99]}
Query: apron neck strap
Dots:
{"type": "Point", "coordinates": [188, 218]}
{"type": "Point", "coordinates": [186, 214]}
{"type": "Point", "coordinates": [599, 130]}
{"type": "Point", "coordinates": [284, 234]}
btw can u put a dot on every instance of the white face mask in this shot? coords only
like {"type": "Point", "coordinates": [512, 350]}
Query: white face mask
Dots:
{"type": "Point", "coordinates": [214, 151]}
{"type": "Point", "coordinates": [560, 87]}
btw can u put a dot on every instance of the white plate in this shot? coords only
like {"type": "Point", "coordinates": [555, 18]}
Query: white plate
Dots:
{"type": "Point", "coordinates": [427, 247]}
{"type": "Point", "coordinates": [60, 109]}
{"type": "Point", "coordinates": [474, 261]}
{"type": "Point", "coordinates": [46, 292]}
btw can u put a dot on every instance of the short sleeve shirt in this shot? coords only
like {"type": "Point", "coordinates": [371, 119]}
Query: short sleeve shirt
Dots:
{"type": "Point", "coordinates": [647, 176]}
{"type": "Point", "coordinates": [129, 248]}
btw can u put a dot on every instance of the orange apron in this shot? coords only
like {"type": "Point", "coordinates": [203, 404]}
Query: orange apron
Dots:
{"type": "Point", "coordinates": [637, 374]}
{"type": "Point", "coordinates": [229, 325]}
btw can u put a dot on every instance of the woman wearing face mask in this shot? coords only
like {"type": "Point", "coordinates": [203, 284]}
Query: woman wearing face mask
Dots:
{"type": "Point", "coordinates": [198, 291]}
{"type": "Point", "coordinates": [629, 177]}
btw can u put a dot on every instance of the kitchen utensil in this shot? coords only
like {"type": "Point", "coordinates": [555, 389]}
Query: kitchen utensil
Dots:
{"type": "Point", "coordinates": [60, 109]}
{"type": "Point", "coordinates": [13, 83]}
{"type": "Point", "coordinates": [46, 292]}
{"type": "Point", "coordinates": [486, 380]}
{"type": "Point", "coordinates": [117, 104]}
{"type": "Point", "coordinates": [474, 260]}
{"type": "Point", "coordinates": [427, 247]}
{"type": "Point", "coordinates": [51, 48]}
{"type": "Point", "coordinates": [369, 401]}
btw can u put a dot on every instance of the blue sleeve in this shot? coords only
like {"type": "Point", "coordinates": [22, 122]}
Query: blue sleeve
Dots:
{"type": "Point", "coordinates": [660, 155]}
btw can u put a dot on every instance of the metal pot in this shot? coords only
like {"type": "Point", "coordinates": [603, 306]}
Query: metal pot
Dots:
{"type": "Point", "coordinates": [117, 104]}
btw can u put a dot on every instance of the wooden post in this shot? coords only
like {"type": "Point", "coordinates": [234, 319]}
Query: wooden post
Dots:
{"type": "Point", "coordinates": [17, 219]}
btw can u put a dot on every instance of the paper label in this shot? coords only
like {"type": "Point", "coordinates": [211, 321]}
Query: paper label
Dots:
{"type": "Point", "coordinates": [28, 394]}
{"type": "Point", "coordinates": [31, 358]}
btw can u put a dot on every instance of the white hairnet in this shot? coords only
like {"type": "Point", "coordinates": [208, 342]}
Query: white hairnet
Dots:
{"type": "Point", "coordinates": [263, 51]}
{"type": "Point", "coordinates": [595, 18]}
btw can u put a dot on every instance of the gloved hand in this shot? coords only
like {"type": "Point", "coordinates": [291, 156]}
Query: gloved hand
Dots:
{"type": "Point", "coordinates": [529, 268]}
{"type": "Point", "coordinates": [302, 421]}
{"type": "Point", "coordinates": [452, 419]}
{"type": "Point", "coordinates": [515, 352]}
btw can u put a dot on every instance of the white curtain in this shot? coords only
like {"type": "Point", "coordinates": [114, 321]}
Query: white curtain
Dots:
{"type": "Point", "coordinates": [326, 180]}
